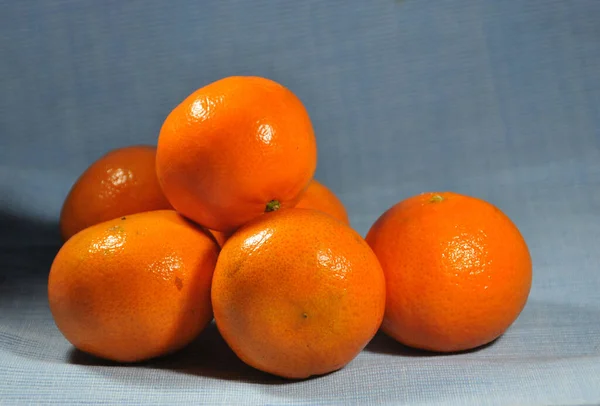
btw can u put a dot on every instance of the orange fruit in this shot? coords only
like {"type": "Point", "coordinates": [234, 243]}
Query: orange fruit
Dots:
{"type": "Point", "coordinates": [458, 271]}
{"type": "Point", "coordinates": [220, 236]}
{"type": "Point", "coordinates": [234, 149]}
{"type": "Point", "coordinates": [319, 197]}
{"type": "Point", "coordinates": [135, 287]}
{"type": "Point", "coordinates": [121, 182]}
{"type": "Point", "coordinates": [297, 293]}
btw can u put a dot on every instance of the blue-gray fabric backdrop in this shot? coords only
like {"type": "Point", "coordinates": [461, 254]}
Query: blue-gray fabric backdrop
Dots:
{"type": "Point", "coordinates": [497, 99]}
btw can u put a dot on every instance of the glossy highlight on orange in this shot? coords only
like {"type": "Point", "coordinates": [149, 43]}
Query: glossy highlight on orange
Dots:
{"type": "Point", "coordinates": [120, 183]}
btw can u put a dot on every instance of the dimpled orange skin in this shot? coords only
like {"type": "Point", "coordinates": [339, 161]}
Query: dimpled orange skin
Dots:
{"type": "Point", "coordinates": [232, 147]}
{"type": "Point", "coordinates": [121, 182]}
{"type": "Point", "coordinates": [297, 293]}
{"type": "Point", "coordinates": [458, 272]}
{"type": "Point", "coordinates": [133, 288]}
{"type": "Point", "coordinates": [319, 197]}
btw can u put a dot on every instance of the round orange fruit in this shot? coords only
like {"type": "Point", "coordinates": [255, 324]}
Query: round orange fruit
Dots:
{"type": "Point", "coordinates": [319, 197]}
{"type": "Point", "coordinates": [458, 271]}
{"type": "Point", "coordinates": [297, 293]}
{"type": "Point", "coordinates": [220, 236]}
{"type": "Point", "coordinates": [121, 182]}
{"type": "Point", "coordinates": [135, 287]}
{"type": "Point", "coordinates": [235, 149]}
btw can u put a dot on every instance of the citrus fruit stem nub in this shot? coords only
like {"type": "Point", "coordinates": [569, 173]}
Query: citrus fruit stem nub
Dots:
{"type": "Point", "coordinates": [436, 199]}
{"type": "Point", "coordinates": [273, 205]}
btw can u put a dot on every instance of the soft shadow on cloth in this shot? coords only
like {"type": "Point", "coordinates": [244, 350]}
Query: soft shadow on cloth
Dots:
{"type": "Point", "coordinates": [27, 245]}
{"type": "Point", "coordinates": [209, 356]}
{"type": "Point", "coordinates": [17, 230]}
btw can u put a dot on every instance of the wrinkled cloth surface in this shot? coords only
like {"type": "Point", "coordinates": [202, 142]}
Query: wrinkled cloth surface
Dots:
{"type": "Point", "coordinates": [495, 99]}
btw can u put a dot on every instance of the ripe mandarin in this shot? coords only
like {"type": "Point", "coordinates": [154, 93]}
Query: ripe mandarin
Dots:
{"type": "Point", "coordinates": [234, 149]}
{"type": "Point", "coordinates": [119, 183]}
{"type": "Point", "coordinates": [297, 293]}
{"type": "Point", "coordinates": [458, 272]}
{"type": "Point", "coordinates": [135, 287]}
{"type": "Point", "coordinates": [319, 197]}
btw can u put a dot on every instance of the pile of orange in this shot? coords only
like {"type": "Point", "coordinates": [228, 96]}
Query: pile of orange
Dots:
{"type": "Point", "coordinates": [224, 220]}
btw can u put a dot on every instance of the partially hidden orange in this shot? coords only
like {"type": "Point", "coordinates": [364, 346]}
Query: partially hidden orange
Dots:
{"type": "Point", "coordinates": [319, 197]}
{"type": "Point", "coordinates": [120, 183]}
{"type": "Point", "coordinates": [135, 287]}
{"type": "Point", "coordinates": [458, 271]}
{"type": "Point", "coordinates": [297, 293]}
{"type": "Point", "coordinates": [235, 149]}
{"type": "Point", "coordinates": [220, 236]}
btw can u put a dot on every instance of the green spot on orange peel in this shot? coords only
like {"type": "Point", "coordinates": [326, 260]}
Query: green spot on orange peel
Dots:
{"type": "Point", "coordinates": [436, 199]}
{"type": "Point", "coordinates": [273, 205]}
